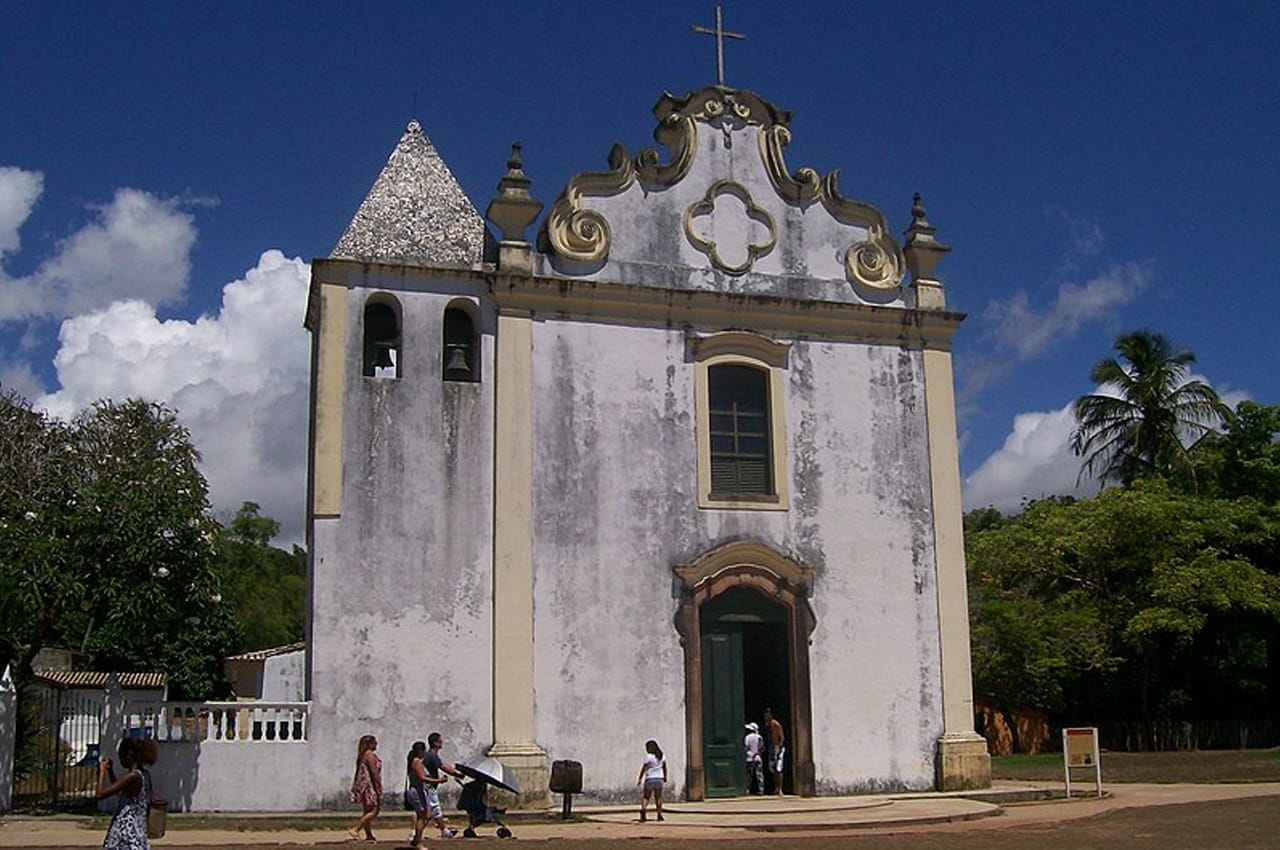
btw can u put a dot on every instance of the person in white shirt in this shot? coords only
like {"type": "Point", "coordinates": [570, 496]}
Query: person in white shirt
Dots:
{"type": "Point", "coordinates": [753, 744]}
{"type": "Point", "coordinates": [653, 773]}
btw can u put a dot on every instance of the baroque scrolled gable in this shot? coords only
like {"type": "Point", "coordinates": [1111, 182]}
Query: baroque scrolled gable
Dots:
{"type": "Point", "coordinates": [706, 216]}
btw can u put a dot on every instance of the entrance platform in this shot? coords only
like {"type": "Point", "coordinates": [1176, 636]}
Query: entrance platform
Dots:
{"type": "Point", "coordinates": [779, 814]}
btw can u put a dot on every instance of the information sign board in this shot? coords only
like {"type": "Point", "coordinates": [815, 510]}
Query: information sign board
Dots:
{"type": "Point", "coordinates": [1080, 752]}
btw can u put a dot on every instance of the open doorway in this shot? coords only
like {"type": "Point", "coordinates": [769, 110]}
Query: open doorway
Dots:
{"type": "Point", "coordinates": [745, 623]}
{"type": "Point", "coordinates": [745, 669]}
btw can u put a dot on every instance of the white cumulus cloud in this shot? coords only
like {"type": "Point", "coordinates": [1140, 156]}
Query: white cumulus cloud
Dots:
{"type": "Point", "coordinates": [239, 380]}
{"type": "Point", "coordinates": [1035, 461]}
{"type": "Point", "coordinates": [19, 191]}
{"type": "Point", "coordinates": [136, 246]}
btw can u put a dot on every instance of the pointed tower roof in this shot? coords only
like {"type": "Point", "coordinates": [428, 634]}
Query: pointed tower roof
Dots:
{"type": "Point", "coordinates": [415, 213]}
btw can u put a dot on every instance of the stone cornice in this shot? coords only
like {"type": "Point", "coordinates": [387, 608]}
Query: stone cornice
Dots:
{"type": "Point", "coordinates": [612, 303]}
{"type": "Point", "coordinates": [616, 303]}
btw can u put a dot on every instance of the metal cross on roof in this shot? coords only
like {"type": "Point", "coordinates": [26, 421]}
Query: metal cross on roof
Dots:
{"type": "Point", "coordinates": [721, 34]}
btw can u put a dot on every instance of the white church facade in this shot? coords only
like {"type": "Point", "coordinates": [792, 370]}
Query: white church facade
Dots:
{"type": "Point", "coordinates": [687, 452]}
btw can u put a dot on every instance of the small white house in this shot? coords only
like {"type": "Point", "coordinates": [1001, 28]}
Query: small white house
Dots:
{"type": "Point", "coordinates": [277, 674]}
{"type": "Point", "coordinates": [76, 699]}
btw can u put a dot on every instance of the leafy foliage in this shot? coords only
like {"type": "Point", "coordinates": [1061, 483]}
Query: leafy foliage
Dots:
{"type": "Point", "coordinates": [1143, 601]}
{"type": "Point", "coordinates": [1243, 461]}
{"type": "Point", "coordinates": [106, 544]}
{"type": "Point", "coordinates": [1140, 431]}
{"type": "Point", "coordinates": [265, 586]}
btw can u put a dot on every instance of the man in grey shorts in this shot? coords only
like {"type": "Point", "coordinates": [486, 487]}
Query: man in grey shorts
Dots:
{"type": "Point", "coordinates": [434, 766]}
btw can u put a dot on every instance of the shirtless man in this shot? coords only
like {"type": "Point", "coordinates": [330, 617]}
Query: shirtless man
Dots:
{"type": "Point", "coordinates": [776, 740]}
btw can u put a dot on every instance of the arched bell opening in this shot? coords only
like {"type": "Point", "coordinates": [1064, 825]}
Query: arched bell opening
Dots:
{"type": "Point", "coordinates": [460, 351]}
{"type": "Point", "coordinates": [382, 338]}
{"type": "Point", "coordinates": [745, 623]}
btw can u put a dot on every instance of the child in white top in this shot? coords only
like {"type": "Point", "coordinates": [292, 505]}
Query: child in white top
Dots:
{"type": "Point", "coordinates": [653, 773]}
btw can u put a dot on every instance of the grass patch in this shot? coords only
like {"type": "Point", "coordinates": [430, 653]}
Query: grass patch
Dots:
{"type": "Point", "coordinates": [1265, 755]}
{"type": "Point", "coordinates": [1023, 760]}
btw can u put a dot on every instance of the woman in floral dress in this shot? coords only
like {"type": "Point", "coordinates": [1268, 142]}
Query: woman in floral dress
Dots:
{"type": "Point", "coordinates": [366, 786]}
{"type": "Point", "coordinates": [128, 829]}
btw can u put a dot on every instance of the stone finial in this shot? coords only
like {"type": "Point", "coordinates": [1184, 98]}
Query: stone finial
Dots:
{"type": "Point", "coordinates": [513, 210]}
{"type": "Point", "coordinates": [922, 252]}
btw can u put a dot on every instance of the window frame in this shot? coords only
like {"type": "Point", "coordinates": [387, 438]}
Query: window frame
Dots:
{"type": "Point", "coordinates": [741, 348]}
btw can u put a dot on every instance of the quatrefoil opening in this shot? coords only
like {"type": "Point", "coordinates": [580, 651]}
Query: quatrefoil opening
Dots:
{"type": "Point", "coordinates": [729, 228]}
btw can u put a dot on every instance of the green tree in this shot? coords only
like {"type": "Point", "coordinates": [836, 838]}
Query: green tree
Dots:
{"type": "Point", "coordinates": [1144, 601]}
{"type": "Point", "coordinates": [264, 585]}
{"type": "Point", "coordinates": [39, 485]}
{"type": "Point", "coordinates": [106, 544]}
{"type": "Point", "coordinates": [1243, 460]}
{"type": "Point", "coordinates": [1140, 430]}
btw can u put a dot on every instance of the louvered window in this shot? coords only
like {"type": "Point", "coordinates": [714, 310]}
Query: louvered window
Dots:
{"type": "Point", "coordinates": [739, 426]}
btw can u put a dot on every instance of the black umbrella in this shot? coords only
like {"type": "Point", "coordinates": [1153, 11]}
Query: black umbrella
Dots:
{"type": "Point", "coordinates": [492, 771]}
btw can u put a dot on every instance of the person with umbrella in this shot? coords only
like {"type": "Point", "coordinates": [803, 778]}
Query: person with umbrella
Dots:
{"type": "Point", "coordinates": [474, 797]}
{"type": "Point", "coordinates": [434, 766]}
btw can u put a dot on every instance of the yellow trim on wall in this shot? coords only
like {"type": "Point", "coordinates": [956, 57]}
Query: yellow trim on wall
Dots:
{"type": "Point", "coordinates": [948, 529]}
{"type": "Point", "coordinates": [330, 390]}
{"type": "Point", "coordinates": [513, 533]}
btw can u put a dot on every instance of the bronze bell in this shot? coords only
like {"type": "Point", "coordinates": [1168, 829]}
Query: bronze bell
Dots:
{"type": "Point", "coordinates": [382, 355]}
{"type": "Point", "coordinates": [457, 368]}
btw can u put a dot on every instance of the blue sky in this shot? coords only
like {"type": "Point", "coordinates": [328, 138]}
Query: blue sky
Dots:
{"type": "Point", "coordinates": [167, 170]}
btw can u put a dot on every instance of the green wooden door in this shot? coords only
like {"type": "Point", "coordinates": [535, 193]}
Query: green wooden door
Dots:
{"type": "Point", "coordinates": [722, 708]}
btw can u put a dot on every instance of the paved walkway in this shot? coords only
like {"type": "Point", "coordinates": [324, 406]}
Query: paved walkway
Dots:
{"type": "Point", "coordinates": [1008, 804]}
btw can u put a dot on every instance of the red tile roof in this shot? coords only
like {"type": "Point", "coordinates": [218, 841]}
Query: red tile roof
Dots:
{"type": "Point", "coordinates": [97, 679]}
{"type": "Point", "coordinates": [264, 654]}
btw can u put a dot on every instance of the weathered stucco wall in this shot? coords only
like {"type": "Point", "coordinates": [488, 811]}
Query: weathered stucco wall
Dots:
{"type": "Point", "coordinates": [402, 595]}
{"type": "Point", "coordinates": [284, 677]}
{"type": "Point", "coordinates": [616, 508]}
{"type": "Point", "coordinates": [235, 777]}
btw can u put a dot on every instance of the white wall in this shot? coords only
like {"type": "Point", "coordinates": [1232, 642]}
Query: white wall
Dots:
{"type": "Point", "coordinates": [261, 776]}
{"type": "Point", "coordinates": [616, 509]}
{"type": "Point", "coordinates": [402, 593]}
{"type": "Point", "coordinates": [284, 677]}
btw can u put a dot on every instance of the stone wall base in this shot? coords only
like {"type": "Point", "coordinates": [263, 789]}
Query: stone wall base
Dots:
{"type": "Point", "coordinates": [532, 770]}
{"type": "Point", "coordinates": [963, 763]}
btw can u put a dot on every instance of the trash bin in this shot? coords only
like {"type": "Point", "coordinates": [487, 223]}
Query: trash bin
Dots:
{"type": "Point", "coordinates": [566, 779]}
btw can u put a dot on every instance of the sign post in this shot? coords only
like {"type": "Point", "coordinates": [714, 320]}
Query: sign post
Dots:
{"type": "Point", "coordinates": [1080, 751]}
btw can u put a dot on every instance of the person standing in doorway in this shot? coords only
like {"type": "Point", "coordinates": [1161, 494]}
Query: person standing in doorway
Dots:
{"type": "Point", "coordinates": [653, 773]}
{"type": "Point", "coordinates": [753, 746]}
{"type": "Point", "coordinates": [366, 786]}
{"type": "Point", "coordinates": [776, 739]}
{"type": "Point", "coordinates": [435, 767]}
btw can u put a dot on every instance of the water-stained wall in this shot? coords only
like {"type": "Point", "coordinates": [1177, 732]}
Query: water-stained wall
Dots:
{"type": "Point", "coordinates": [402, 591]}
{"type": "Point", "coordinates": [616, 508]}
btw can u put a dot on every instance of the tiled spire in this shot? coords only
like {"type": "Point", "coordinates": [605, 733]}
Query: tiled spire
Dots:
{"type": "Point", "coordinates": [415, 213]}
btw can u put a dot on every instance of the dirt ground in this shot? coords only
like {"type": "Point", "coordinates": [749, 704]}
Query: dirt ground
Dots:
{"type": "Point", "coordinates": [1249, 824]}
{"type": "Point", "coordinates": [1226, 824]}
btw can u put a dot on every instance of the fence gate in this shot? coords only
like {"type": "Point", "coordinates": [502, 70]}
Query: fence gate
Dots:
{"type": "Point", "coordinates": [62, 763]}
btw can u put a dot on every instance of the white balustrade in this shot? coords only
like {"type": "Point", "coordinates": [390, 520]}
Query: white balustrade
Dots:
{"type": "Point", "coordinates": [229, 722]}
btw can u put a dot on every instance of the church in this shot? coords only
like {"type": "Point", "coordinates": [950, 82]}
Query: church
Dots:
{"type": "Point", "coordinates": [683, 451]}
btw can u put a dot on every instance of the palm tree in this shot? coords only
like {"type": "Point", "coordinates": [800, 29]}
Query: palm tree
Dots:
{"type": "Point", "coordinates": [1140, 428]}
